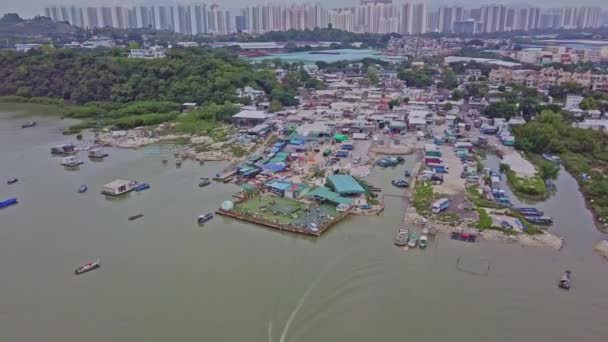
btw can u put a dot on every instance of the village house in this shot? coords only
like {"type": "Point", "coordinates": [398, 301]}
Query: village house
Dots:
{"type": "Point", "coordinates": [249, 118]}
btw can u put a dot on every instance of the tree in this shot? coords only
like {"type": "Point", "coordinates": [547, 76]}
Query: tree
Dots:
{"type": "Point", "coordinates": [449, 79]}
{"type": "Point", "coordinates": [417, 79]}
{"type": "Point", "coordinates": [588, 103]}
{"type": "Point", "coordinates": [392, 103]}
{"type": "Point", "coordinates": [372, 75]}
{"type": "Point", "coordinates": [548, 170]}
{"type": "Point", "coordinates": [457, 95]}
{"type": "Point", "coordinates": [501, 110]}
{"type": "Point", "coordinates": [275, 106]}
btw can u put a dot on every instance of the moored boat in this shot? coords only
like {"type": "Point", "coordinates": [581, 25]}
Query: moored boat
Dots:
{"type": "Point", "coordinates": [12, 180]}
{"type": "Point", "coordinates": [82, 188]}
{"type": "Point", "coordinates": [89, 266]}
{"type": "Point", "coordinates": [29, 124]}
{"type": "Point", "coordinates": [71, 161]}
{"type": "Point", "coordinates": [402, 236]}
{"type": "Point", "coordinates": [141, 187]}
{"type": "Point", "coordinates": [565, 280]}
{"type": "Point", "coordinates": [544, 220]}
{"type": "Point", "coordinates": [423, 241]}
{"type": "Point", "coordinates": [412, 241]}
{"type": "Point", "coordinates": [204, 218]}
{"type": "Point", "coordinates": [8, 202]}
{"type": "Point", "coordinates": [135, 217]}
{"type": "Point", "coordinates": [204, 182]}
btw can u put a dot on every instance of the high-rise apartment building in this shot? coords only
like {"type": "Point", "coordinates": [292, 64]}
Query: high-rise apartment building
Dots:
{"type": "Point", "coordinates": [375, 16]}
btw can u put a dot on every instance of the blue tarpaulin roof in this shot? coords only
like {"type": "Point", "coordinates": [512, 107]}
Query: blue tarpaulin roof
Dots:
{"type": "Point", "coordinates": [275, 167]}
{"type": "Point", "coordinates": [297, 142]}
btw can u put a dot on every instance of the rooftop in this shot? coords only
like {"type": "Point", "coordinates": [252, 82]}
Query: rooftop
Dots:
{"type": "Point", "coordinates": [251, 114]}
{"type": "Point", "coordinates": [346, 184]}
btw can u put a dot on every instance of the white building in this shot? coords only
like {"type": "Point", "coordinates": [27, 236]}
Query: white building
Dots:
{"type": "Point", "coordinates": [150, 53]}
{"type": "Point", "coordinates": [573, 101]}
{"type": "Point", "coordinates": [26, 47]}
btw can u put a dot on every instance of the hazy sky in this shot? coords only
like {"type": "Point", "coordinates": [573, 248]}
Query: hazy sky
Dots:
{"type": "Point", "coordinates": [28, 8]}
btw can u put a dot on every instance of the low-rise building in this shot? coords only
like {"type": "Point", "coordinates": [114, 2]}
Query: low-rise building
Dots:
{"type": "Point", "coordinates": [249, 118]}
{"type": "Point", "coordinates": [149, 53]}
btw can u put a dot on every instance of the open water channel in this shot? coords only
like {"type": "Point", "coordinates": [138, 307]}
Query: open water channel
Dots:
{"type": "Point", "coordinates": [165, 278]}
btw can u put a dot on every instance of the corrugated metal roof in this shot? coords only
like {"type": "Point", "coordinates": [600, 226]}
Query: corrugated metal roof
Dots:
{"type": "Point", "coordinates": [346, 184]}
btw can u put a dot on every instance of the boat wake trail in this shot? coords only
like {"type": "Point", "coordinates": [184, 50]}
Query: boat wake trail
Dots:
{"type": "Point", "coordinates": [299, 305]}
{"type": "Point", "coordinates": [269, 331]}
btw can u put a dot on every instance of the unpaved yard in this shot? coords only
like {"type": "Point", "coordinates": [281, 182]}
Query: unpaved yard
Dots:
{"type": "Point", "coordinates": [452, 183]}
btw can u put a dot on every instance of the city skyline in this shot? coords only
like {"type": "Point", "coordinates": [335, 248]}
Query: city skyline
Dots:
{"type": "Point", "coordinates": [32, 8]}
{"type": "Point", "coordinates": [374, 16]}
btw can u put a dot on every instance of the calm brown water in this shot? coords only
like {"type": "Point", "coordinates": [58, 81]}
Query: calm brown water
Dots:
{"type": "Point", "coordinates": [164, 278]}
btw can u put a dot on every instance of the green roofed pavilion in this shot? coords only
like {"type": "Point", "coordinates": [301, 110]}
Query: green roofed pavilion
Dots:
{"type": "Point", "coordinates": [346, 185]}
{"type": "Point", "coordinates": [328, 195]}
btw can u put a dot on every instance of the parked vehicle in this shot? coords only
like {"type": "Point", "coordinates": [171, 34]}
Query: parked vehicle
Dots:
{"type": "Point", "coordinates": [356, 160]}
{"type": "Point", "coordinates": [440, 205]}
{"type": "Point", "coordinates": [400, 183]}
{"type": "Point", "coordinates": [342, 154]}
{"type": "Point", "coordinates": [506, 225]}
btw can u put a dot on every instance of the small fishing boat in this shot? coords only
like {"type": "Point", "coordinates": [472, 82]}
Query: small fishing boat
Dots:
{"type": "Point", "coordinates": [423, 241]}
{"type": "Point", "coordinates": [29, 124]}
{"type": "Point", "coordinates": [565, 280]}
{"type": "Point", "coordinates": [141, 187]}
{"type": "Point", "coordinates": [8, 202]}
{"type": "Point", "coordinates": [12, 180]}
{"type": "Point", "coordinates": [543, 220]}
{"type": "Point", "coordinates": [412, 241]}
{"type": "Point", "coordinates": [402, 236]}
{"type": "Point", "coordinates": [204, 182]}
{"type": "Point", "coordinates": [82, 188]}
{"type": "Point", "coordinates": [89, 266]}
{"type": "Point", "coordinates": [204, 218]}
{"type": "Point", "coordinates": [135, 217]}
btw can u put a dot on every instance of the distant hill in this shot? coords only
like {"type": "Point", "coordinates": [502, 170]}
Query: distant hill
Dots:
{"type": "Point", "coordinates": [14, 30]}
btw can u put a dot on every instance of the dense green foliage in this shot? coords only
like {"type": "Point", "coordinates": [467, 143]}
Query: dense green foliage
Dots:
{"type": "Point", "coordinates": [417, 78]}
{"type": "Point", "coordinates": [192, 75]}
{"type": "Point", "coordinates": [533, 187]}
{"type": "Point", "coordinates": [584, 152]}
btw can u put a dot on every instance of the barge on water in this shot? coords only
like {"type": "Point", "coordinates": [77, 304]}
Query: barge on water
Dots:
{"type": "Point", "coordinates": [118, 187]}
{"type": "Point", "coordinates": [226, 176]}
{"type": "Point", "coordinates": [71, 161]}
{"type": "Point", "coordinates": [63, 149]}
{"type": "Point", "coordinates": [97, 153]}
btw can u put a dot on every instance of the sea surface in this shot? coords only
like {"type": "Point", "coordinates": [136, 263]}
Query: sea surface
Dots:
{"type": "Point", "coordinates": [326, 56]}
{"type": "Point", "coordinates": [165, 278]}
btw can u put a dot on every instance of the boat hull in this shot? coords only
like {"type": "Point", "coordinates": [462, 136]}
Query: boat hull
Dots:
{"type": "Point", "coordinates": [8, 202]}
{"type": "Point", "coordinates": [87, 268]}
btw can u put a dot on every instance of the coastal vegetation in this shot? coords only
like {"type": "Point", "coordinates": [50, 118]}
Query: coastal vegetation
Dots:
{"type": "Point", "coordinates": [423, 197]}
{"type": "Point", "coordinates": [106, 89]}
{"type": "Point", "coordinates": [530, 187]}
{"type": "Point", "coordinates": [584, 154]}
